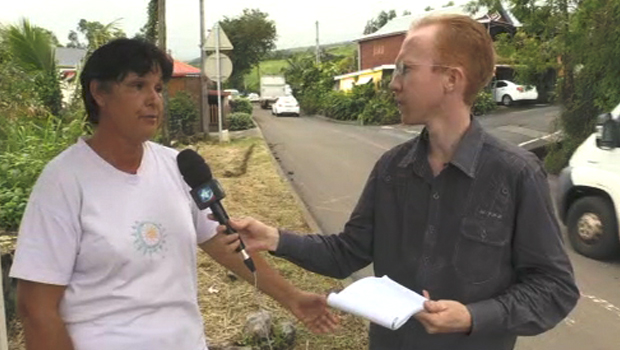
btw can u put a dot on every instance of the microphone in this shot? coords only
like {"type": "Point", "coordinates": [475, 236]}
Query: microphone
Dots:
{"type": "Point", "coordinates": [208, 193]}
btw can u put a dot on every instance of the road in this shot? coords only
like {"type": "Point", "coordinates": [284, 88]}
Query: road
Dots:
{"type": "Point", "coordinates": [328, 163]}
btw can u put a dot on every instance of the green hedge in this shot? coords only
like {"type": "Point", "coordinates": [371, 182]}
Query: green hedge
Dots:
{"type": "Point", "coordinates": [484, 103]}
{"type": "Point", "coordinates": [183, 115]}
{"type": "Point", "coordinates": [240, 121]}
{"type": "Point", "coordinates": [241, 105]}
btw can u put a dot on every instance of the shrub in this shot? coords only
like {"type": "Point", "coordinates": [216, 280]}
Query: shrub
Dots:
{"type": "Point", "coordinates": [380, 111]}
{"type": "Point", "coordinates": [26, 146]}
{"type": "Point", "coordinates": [241, 105]}
{"type": "Point", "coordinates": [484, 103]}
{"type": "Point", "coordinates": [240, 121]}
{"type": "Point", "coordinates": [183, 115]}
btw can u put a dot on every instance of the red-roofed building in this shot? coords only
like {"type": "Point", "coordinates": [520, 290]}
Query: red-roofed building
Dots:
{"type": "Point", "coordinates": [182, 69]}
{"type": "Point", "coordinates": [187, 78]}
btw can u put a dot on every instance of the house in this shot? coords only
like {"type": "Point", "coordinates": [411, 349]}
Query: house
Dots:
{"type": "Point", "coordinates": [377, 51]}
{"type": "Point", "coordinates": [187, 78]}
{"type": "Point", "coordinates": [68, 62]}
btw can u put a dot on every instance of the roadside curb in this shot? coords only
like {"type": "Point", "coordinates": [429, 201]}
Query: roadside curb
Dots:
{"type": "Point", "coordinates": [310, 220]}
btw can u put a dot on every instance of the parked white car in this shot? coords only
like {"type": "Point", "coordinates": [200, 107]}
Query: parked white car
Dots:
{"type": "Point", "coordinates": [285, 105]}
{"type": "Point", "coordinates": [233, 93]}
{"type": "Point", "coordinates": [589, 191]}
{"type": "Point", "coordinates": [506, 92]}
{"type": "Point", "coordinates": [253, 97]}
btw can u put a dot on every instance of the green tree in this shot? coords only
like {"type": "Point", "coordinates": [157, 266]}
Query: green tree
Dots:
{"type": "Point", "coordinates": [428, 8]}
{"type": "Point", "coordinates": [149, 31]}
{"type": "Point", "coordinates": [451, 3]}
{"type": "Point", "coordinates": [74, 41]}
{"type": "Point", "coordinates": [252, 35]}
{"type": "Point", "coordinates": [376, 23]}
{"type": "Point", "coordinates": [578, 38]}
{"type": "Point", "coordinates": [96, 34]}
{"type": "Point", "coordinates": [31, 48]}
{"type": "Point", "coordinates": [406, 13]}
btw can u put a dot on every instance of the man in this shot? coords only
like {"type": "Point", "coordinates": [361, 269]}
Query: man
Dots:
{"type": "Point", "coordinates": [455, 213]}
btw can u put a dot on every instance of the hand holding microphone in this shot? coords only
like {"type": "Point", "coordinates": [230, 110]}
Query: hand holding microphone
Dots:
{"type": "Point", "coordinates": [207, 193]}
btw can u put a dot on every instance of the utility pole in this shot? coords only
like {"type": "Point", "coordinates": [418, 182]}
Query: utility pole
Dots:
{"type": "Point", "coordinates": [4, 340]}
{"type": "Point", "coordinates": [219, 81]}
{"type": "Point", "coordinates": [318, 54]}
{"type": "Point", "coordinates": [204, 89]}
{"type": "Point", "coordinates": [161, 37]}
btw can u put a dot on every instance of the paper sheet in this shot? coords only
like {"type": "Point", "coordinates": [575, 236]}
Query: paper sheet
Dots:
{"type": "Point", "coordinates": [379, 300]}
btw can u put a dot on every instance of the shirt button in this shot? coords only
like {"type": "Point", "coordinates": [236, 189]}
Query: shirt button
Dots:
{"type": "Point", "coordinates": [426, 260]}
{"type": "Point", "coordinates": [388, 178]}
{"type": "Point", "coordinates": [436, 195]}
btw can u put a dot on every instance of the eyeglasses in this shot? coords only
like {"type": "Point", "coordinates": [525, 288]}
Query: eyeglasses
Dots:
{"type": "Point", "coordinates": [402, 68]}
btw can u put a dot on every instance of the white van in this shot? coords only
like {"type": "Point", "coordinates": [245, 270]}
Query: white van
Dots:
{"type": "Point", "coordinates": [589, 191]}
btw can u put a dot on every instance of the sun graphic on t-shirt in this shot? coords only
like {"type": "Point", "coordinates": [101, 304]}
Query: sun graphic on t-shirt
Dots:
{"type": "Point", "coordinates": [149, 237]}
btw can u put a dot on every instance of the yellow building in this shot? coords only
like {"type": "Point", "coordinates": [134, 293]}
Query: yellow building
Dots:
{"type": "Point", "coordinates": [346, 82]}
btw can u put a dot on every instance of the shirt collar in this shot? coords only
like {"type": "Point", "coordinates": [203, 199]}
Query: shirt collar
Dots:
{"type": "Point", "coordinates": [466, 155]}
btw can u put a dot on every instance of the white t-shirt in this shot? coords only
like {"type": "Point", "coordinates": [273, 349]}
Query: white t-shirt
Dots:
{"type": "Point", "coordinates": [123, 244]}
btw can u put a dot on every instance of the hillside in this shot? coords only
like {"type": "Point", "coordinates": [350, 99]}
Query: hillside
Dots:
{"type": "Point", "coordinates": [276, 61]}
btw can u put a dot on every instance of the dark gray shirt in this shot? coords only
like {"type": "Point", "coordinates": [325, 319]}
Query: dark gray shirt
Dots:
{"type": "Point", "coordinates": [482, 232]}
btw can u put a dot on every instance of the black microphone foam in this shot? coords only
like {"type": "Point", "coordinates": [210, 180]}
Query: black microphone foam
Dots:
{"type": "Point", "coordinates": [207, 192]}
{"type": "Point", "coordinates": [193, 167]}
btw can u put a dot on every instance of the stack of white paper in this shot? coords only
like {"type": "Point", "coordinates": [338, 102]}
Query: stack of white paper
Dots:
{"type": "Point", "coordinates": [379, 300]}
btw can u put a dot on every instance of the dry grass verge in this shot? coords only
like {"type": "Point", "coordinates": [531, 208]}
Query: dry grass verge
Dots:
{"type": "Point", "coordinates": [261, 193]}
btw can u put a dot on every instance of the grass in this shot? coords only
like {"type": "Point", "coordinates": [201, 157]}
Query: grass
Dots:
{"type": "Point", "coordinates": [343, 50]}
{"type": "Point", "coordinates": [276, 67]}
{"type": "Point", "coordinates": [261, 193]}
{"type": "Point", "coordinates": [272, 67]}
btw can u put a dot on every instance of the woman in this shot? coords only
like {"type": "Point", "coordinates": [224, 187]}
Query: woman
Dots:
{"type": "Point", "coordinates": [106, 254]}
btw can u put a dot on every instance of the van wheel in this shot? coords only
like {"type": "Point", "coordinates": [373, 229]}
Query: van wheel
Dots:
{"type": "Point", "coordinates": [593, 228]}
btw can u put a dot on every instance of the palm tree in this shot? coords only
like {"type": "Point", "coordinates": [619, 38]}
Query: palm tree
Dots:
{"type": "Point", "coordinates": [31, 47]}
{"type": "Point", "coordinates": [99, 34]}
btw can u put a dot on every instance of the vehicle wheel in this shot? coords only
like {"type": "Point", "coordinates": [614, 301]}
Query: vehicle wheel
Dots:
{"type": "Point", "coordinates": [506, 100]}
{"type": "Point", "coordinates": [593, 228]}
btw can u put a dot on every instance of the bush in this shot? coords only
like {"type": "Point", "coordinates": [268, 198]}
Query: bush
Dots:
{"type": "Point", "coordinates": [312, 101]}
{"type": "Point", "coordinates": [26, 146]}
{"type": "Point", "coordinates": [380, 111]}
{"type": "Point", "coordinates": [241, 105]}
{"type": "Point", "coordinates": [348, 105]}
{"type": "Point", "coordinates": [240, 121]}
{"type": "Point", "coordinates": [484, 103]}
{"type": "Point", "coordinates": [183, 115]}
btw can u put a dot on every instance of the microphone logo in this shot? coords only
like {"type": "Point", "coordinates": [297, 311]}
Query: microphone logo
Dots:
{"type": "Point", "coordinates": [205, 194]}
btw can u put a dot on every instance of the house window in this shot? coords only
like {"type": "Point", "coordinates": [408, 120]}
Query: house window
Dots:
{"type": "Point", "coordinates": [378, 50]}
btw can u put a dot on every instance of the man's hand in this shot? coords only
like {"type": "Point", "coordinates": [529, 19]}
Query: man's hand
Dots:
{"type": "Point", "coordinates": [444, 316]}
{"type": "Point", "coordinates": [256, 236]}
{"type": "Point", "coordinates": [311, 309]}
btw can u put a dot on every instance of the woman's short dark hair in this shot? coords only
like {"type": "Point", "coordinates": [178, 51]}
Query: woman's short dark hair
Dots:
{"type": "Point", "coordinates": [114, 60]}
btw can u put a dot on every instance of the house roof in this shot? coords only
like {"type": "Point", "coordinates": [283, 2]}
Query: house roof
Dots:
{"type": "Point", "coordinates": [68, 57]}
{"type": "Point", "coordinates": [182, 69]}
{"type": "Point", "coordinates": [400, 25]}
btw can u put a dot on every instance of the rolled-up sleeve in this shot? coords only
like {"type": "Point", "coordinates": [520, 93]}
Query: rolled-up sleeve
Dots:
{"type": "Point", "coordinates": [544, 292]}
{"type": "Point", "coordinates": [336, 255]}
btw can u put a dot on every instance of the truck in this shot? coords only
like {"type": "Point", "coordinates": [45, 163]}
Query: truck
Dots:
{"type": "Point", "coordinates": [272, 87]}
{"type": "Point", "coordinates": [588, 200]}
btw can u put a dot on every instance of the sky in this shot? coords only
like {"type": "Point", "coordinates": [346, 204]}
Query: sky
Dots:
{"type": "Point", "coordinates": [339, 20]}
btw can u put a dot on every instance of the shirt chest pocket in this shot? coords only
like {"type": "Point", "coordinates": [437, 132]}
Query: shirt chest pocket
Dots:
{"type": "Point", "coordinates": [480, 249]}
